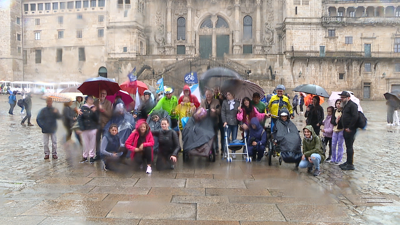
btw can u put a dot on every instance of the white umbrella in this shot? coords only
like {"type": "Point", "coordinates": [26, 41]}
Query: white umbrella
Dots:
{"type": "Point", "coordinates": [335, 95]}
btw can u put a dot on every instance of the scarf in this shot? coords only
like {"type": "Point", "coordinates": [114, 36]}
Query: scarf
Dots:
{"type": "Point", "coordinates": [309, 139]}
{"type": "Point", "coordinates": [231, 104]}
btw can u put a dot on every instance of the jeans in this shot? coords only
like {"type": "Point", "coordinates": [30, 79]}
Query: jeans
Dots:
{"type": "Point", "coordinates": [11, 111]}
{"type": "Point", "coordinates": [27, 116]}
{"type": "Point", "coordinates": [315, 162]}
{"type": "Point", "coordinates": [232, 131]}
{"type": "Point", "coordinates": [22, 109]}
{"type": "Point", "coordinates": [337, 141]}
{"type": "Point", "coordinates": [53, 137]}
{"type": "Point", "coordinates": [349, 138]}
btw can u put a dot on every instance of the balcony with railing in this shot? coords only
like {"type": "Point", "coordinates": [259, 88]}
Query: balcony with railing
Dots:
{"type": "Point", "coordinates": [342, 54]}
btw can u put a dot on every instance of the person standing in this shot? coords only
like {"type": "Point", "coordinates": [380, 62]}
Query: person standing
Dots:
{"type": "Point", "coordinates": [105, 109]}
{"type": "Point", "coordinates": [28, 109]}
{"type": "Point", "coordinates": [188, 93]}
{"type": "Point", "coordinates": [295, 102]}
{"type": "Point", "coordinates": [169, 103]}
{"type": "Point", "coordinates": [391, 108]}
{"type": "Point", "coordinates": [260, 106]}
{"type": "Point", "coordinates": [88, 125]}
{"type": "Point", "coordinates": [12, 100]}
{"type": "Point", "coordinates": [47, 120]}
{"type": "Point", "coordinates": [213, 110]}
{"type": "Point", "coordinates": [301, 103]}
{"type": "Point", "coordinates": [228, 115]}
{"type": "Point", "coordinates": [337, 136]}
{"type": "Point", "coordinates": [328, 131]}
{"type": "Point", "coordinates": [315, 114]}
{"type": "Point", "coordinates": [348, 122]}
{"type": "Point", "coordinates": [68, 118]}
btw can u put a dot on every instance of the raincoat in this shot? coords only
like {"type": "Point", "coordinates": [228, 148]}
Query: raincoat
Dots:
{"type": "Point", "coordinates": [131, 142]}
{"type": "Point", "coordinates": [193, 98]}
{"type": "Point", "coordinates": [184, 110]}
{"type": "Point", "coordinates": [277, 103]}
{"type": "Point", "coordinates": [258, 135]}
{"type": "Point", "coordinates": [287, 135]}
{"type": "Point", "coordinates": [168, 105]}
{"type": "Point", "coordinates": [314, 145]}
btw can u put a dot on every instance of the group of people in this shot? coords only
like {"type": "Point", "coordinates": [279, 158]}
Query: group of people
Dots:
{"type": "Point", "coordinates": [25, 103]}
{"type": "Point", "coordinates": [109, 132]}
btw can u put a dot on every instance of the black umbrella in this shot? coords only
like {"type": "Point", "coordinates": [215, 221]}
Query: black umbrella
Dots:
{"type": "Point", "coordinates": [93, 86]}
{"type": "Point", "coordinates": [393, 96]}
{"type": "Point", "coordinates": [241, 88]}
{"type": "Point", "coordinates": [312, 89]}
{"type": "Point", "coordinates": [216, 77]}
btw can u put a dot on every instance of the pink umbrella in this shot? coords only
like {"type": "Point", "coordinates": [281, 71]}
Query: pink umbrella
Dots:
{"type": "Point", "coordinates": [125, 97]}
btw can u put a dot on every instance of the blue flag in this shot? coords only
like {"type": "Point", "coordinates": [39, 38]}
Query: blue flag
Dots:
{"type": "Point", "coordinates": [160, 83]}
{"type": "Point", "coordinates": [132, 75]}
{"type": "Point", "coordinates": [191, 78]}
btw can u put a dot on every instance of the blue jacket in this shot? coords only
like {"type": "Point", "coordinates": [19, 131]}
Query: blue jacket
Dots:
{"type": "Point", "coordinates": [12, 99]}
{"type": "Point", "coordinates": [47, 120]}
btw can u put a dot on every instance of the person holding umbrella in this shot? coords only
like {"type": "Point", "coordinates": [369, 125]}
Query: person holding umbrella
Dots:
{"type": "Point", "coordinates": [88, 124]}
{"type": "Point", "coordinates": [105, 109]}
{"type": "Point", "coordinates": [315, 114]}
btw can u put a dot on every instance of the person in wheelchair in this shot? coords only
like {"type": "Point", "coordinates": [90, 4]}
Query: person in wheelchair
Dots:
{"type": "Point", "coordinates": [257, 140]}
{"type": "Point", "coordinates": [287, 139]}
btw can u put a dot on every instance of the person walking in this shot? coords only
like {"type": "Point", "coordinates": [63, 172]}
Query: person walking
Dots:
{"type": "Point", "coordinates": [28, 109]}
{"type": "Point", "coordinates": [12, 100]}
{"type": "Point", "coordinates": [301, 103]}
{"type": "Point", "coordinates": [391, 104]}
{"type": "Point", "coordinates": [348, 122]}
{"type": "Point", "coordinates": [88, 125]}
{"type": "Point", "coordinates": [315, 115]}
{"type": "Point", "coordinates": [337, 135]}
{"type": "Point", "coordinates": [68, 118]}
{"type": "Point", "coordinates": [47, 121]}
{"type": "Point", "coordinates": [295, 102]}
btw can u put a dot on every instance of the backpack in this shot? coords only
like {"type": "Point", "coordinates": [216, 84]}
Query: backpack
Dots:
{"type": "Point", "coordinates": [362, 120]}
{"type": "Point", "coordinates": [21, 103]}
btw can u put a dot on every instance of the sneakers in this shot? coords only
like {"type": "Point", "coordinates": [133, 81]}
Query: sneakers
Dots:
{"type": "Point", "coordinates": [22, 123]}
{"type": "Point", "coordinates": [309, 169]}
{"type": "Point", "coordinates": [55, 157]}
{"type": "Point", "coordinates": [347, 167]}
{"type": "Point", "coordinates": [46, 157]}
{"type": "Point", "coordinates": [83, 160]}
{"type": "Point", "coordinates": [316, 172]}
{"type": "Point", "coordinates": [343, 165]}
{"type": "Point", "coordinates": [29, 124]}
{"type": "Point", "coordinates": [91, 160]}
{"type": "Point", "coordinates": [233, 155]}
{"type": "Point", "coordinates": [148, 171]}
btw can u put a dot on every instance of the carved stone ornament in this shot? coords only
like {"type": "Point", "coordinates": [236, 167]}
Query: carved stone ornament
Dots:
{"type": "Point", "coordinates": [180, 8]}
{"type": "Point", "coordinates": [258, 50]}
{"type": "Point", "coordinates": [205, 31]}
{"type": "Point", "coordinates": [237, 49]}
{"type": "Point", "coordinates": [159, 35]}
{"type": "Point", "coordinates": [248, 7]}
{"type": "Point", "coordinates": [268, 37]}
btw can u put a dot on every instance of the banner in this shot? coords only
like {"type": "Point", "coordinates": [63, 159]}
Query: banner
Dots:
{"type": "Point", "coordinates": [160, 83]}
{"type": "Point", "coordinates": [191, 78]}
{"type": "Point", "coordinates": [132, 75]}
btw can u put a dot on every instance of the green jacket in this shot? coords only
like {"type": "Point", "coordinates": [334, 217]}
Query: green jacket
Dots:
{"type": "Point", "coordinates": [313, 146]}
{"type": "Point", "coordinates": [168, 105]}
{"type": "Point", "coordinates": [260, 106]}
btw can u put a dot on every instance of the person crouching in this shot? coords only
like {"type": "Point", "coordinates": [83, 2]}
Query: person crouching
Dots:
{"type": "Point", "coordinates": [257, 139]}
{"type": "Point", "coordinates": [110, 148]}
{"type": "Point", "coordinates": [312, 151]}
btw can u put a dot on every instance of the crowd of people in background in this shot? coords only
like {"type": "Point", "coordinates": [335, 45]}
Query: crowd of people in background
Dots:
{"type": "Point", "coordinates": [110, 132]}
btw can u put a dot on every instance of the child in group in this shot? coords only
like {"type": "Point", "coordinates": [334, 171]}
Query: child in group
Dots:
{"type": "Point", "coordinates": [328, 131]}
{"type": "Point", "coordinates": [337, 136]}
{"type": "Point", "coordinates": [312, 151]}
{"type": "Point", "coordinates": [110, 148]}
{"type": "Point", "coordinates": [141, 143]}
{"type": "Point", "coordinates": [185, 109]}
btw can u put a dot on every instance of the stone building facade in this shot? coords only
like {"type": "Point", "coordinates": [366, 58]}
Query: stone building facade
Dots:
{"type": "Point", "coordinates": [337, 44]}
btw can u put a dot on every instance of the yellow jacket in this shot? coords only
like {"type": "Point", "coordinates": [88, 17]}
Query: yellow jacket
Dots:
{"type": "Point", "coordinates": [276, 103]}
{"type": "Point", "coordinates": [184, 110]}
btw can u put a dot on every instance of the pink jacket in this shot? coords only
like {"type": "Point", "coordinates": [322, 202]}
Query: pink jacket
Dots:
{"type": "Point", "coordinates": [239, 116]}
{"type": "Point", "coordinates": [328, 127]}
{"type": "Point", "coordinates": [131, 142]}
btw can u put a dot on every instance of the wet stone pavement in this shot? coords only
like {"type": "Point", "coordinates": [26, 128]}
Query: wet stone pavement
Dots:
{"type": "Point", "coordinates": [64, 191]}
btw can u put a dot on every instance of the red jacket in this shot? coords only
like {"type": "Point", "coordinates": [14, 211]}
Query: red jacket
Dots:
{"type": "Point", "coordinates": [193, 98]}
{"type": "Point", "coordinates": [131, 142]}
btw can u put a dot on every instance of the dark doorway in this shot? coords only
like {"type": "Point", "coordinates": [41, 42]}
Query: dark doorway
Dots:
{"type": "Point", "coordinates": [102, 72]}
{"type": "Point", "coordinates": [222, 45]}
{"type": "Point", "coordinates": [205, 46]}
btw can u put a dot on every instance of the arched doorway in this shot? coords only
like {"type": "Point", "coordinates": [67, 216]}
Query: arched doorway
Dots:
{"type": "Point", "coordinates": [102, 72]}
{"type": "Point", "coordinates": [214, 37]}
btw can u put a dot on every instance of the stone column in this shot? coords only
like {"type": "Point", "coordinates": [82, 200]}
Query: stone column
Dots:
{"type": "Point", "coordinates": [214, 36]}
{"type": "Point", "coordinates": [169, 22]}
{"type": "Point", "coordinates": [189, 23]}
{"type": "Point", "coordinates": [236, 46]}
{"type": "Point", "coordinates": [258, 22]}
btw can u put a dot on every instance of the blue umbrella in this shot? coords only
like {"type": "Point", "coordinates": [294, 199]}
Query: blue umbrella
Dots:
{"type": "Point", "coordinates": [93, 86]}
{"type": "Point", "coordinates": [10, 92]}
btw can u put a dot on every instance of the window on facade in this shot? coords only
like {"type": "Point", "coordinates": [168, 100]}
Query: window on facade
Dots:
{"type": "Point", "coordinates": [60, 34]}
{"type": "Point", "coordinates": [367, 67]}
{"type": "Point", "coordinates": [92, 3]}
{"type": "Point", "coordinates": [40, 6]}
{"type": "Point", "coordinates": [37, 35]}
{"type": "Point", "coordinates": [85, 4]}
{"type": "Point", "coordinates": [181, 31]}
{"type": "Point", "coordinates": [322, 51]}
{"type": "Point", "coordinates": [47, 6]}
{"type": "Point", "coordinates": [180, 50]}
{"type": "Point", "coordinates": [397, 67]}
{"type": "Point", "coordinates": [79, 16]}
{"type": "Point", "coordinates": [125, 49]}
{"type": "Point", "coordinates": [82, 56]}
{"type": "Point", "coordinates": [59, 55]}
{"type": "Point", "coordinates": [79, 34]}
{"type": "Point", "coordinates": [18, 20]}
{"type": "Point", "coordinates": [18, 37]}
{"type": "Point", "coordinates": [60, 20]}
{"type": "Point", "coordinates": [70, 5]}
{"type": "Point", "coordinates": [247, 49]}
{"type": "Point", "coordinates": [25, 57]}
{"type": "Point", "coordinates": [296, 2]}
{"type": "Point", "coordinates": [397, 45]}
{"type": "Point", "coordinates": [38, 56]}
{"type": "Point", "coordinates": [331, 33]}
{"type": "Point", "coordinates": [341, 76]}
{"type": "Point", "coordinates": [55, 5]}
{"type": "Point", "coordinates": [349, 40]}
{"type": "Point", "coordinates": [120, 2]}
{"type": "Point", "coordinates": [295, 10]}
{"type": "Point", "coordinates": [37, 21]}
{"type": "Point", "coordinates": [102, 3]}
{"type": "Point", "coordinates": [19, 50]}
{"type": "Point", "coordinates": [100, 33]}
{"type": "Point", "coordinates": [306, 2]}
{"type": "Point", "coordinates": [247, 28]}
{"type": "Point", "coordinates": [33, 7]}
{"type": "Point", "coordinates": [26, 7]}
{"type": "Point", "coordinates": [101, 18]}
{"type": "Point", "coordinates": [62, 5]}
{"type": "Point", "coordinates": [78, 4]}
{"type": "Point", "coordinates": [127, 1]}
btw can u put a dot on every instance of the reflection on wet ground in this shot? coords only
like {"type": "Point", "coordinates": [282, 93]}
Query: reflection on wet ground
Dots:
{"type": "Point", "coordinates": [64, 191]}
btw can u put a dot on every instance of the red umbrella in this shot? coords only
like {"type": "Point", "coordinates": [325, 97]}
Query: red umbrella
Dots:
{"type": "Point", "coordinates": [130, 87]}
{"type": "Point", "coordinates": [125, 97]}
{"type": "Point", "coordinates": [93, 86]}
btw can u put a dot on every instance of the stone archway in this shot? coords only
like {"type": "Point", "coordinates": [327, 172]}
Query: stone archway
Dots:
{"type": "Point", "coordinates": [103, 72]}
